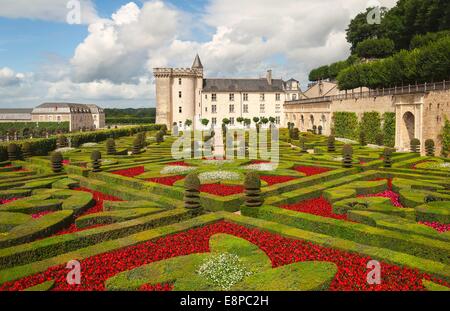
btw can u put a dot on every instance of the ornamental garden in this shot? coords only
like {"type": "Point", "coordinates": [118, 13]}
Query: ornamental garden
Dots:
{"type": "Point", "coordinates": [134, 218]}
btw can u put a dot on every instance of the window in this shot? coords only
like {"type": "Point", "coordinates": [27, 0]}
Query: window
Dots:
{"type": "Point", "coordinates": [278, 97]}
{"type": "Point", "coordinates": [179, 94]}
{"type": "Point", "coordinates": [277, 120]}
{"type": "Point", "coordinates": [214, 121]}
{"type": "Point", "coordinates": [206, 109]}
{"type": "Point", "coordinates": [179, 81]}
{"type": "Point", "coordinates": [262, 108]}
{"type": "Point", "coordinates": [214, 108]}
{"type": "Point", "coordinates": [232, 121]}
{"type": "Point", "coordinates": [231, 97]}
{"type": "Point", "coordinates": [294, 96]}
{"type": "Point", "coordinates": [245, 108]}
{"type": "Point", "coordinates": [206, 96]}
{"type": "Point", "coordinates": [246, 97]}
{"type": "Point", "coordinates": [180, 109]}
{"type": "Point", "coordinates": [231, 108]}
{"type": "Point", "coordinates": [262, 97]}
{"type": "Point", "coordinates": [214, 97]}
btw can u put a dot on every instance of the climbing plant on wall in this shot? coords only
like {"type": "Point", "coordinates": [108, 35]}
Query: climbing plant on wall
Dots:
{"type": "Point", "coordinates": [345, 124]}
{"type": "Point", "coordinates": [445, 138]}
{"type": "Point", "coordinates": [370, 125]}
{"type": "Point", "coordinates": [389, 128]}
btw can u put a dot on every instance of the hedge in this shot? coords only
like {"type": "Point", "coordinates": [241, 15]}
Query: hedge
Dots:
{"type": "Point", "coordinates": [389, 129]}
{"type": "Point", "coordinates": [371, 126]}
{"type": "Point", "coordinates": [26, 128]}
{"type": "Point", "coordinates": [345, 124]}
{"type": "Point", "coordinates": [143, 120]}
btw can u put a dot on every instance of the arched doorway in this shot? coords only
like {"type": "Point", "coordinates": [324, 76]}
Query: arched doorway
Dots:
{"type": "Point", "coordinates": [408, 132]}
{"type": "Point", "coordinates": [311, 118]}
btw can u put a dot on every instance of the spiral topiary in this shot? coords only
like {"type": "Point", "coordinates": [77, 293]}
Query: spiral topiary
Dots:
{"type": "Point", "coordinates": [111, 146]}
{"type": "Point", "coordinates": [379, 139]}
{"type": "Point", "coordinates": [160, 137]}
{"type": "Point", "coordinates": [320, 129]}
{"type": "Point", "coordinates": [96, 157]}
{"type": "Point", "coordinates": [415, 145]}
{"type": "Point", "coordinates": [362, 138]}
{"type": "Point", "coordinates": [347, 159]}
{"type": "Point", "coordinates": [192, 191]}
{"type": "Point", "coordinates": [314, 129]}
{"type": "Point", "coordinates": [136, 146]}
{"type": "Point", "coordinates": [331, 144]}
{"type": "Point", "coordinates": [387, 157]}
{"type": "Point", "coordinates": [26, 150]}
{"type": "Point", "coordinates": [141, 138]}
{"type": "Point", "coordinates": [252, 185]}
{"type": "Point", "coordinates": [56, 160]}
{"type": "Point", "coordinates": [13, 152]}
{"type": "Point", "coordinates": [302, 140]}
{"type": "Point", "coordinates": [429, 147]}
{"type": "Point", "coordinates": [61, 141]}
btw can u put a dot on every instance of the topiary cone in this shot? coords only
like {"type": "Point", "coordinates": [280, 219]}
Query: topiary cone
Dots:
{"type": "Point", "coordinates": [26, 150]}
{"type": "Point", "coordinates": [13, 152]}
{"type": "Point", "coordinates": [56, 159]}
{"type": "Point", "coordinates": [331, 144]}
{"type": "Point", "coordinates": [136, 146]}
{"type": "Point", "coordinates": [192, 191]}
{"type": "Point", "coordinates": [415, 145]}
{"type": "Point", "coordinates": [387, 157]}
{"type": "Point", "coordinates": [362, 138]}
{"type": "Point", "coordinates": [429, 147]}
{"type": "Point", "coordinates": [347, 153]}
{"type": "Point", "coordinates": [96, 156]}
{"type": "Point", "coordinates": [303, 144]}
{"type": "Point", "coordinates": [111, 147]}
{"type": "Point", "coordinates": [252, 185]}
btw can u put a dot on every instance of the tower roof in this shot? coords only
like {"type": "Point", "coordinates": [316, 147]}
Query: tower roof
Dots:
{"type": "Point", "coordinates": [197, 63]}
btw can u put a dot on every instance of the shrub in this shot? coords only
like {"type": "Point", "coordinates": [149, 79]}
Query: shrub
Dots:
{"type": "Point", "coordinates": [192, 191]}
{"type": "Point", "coordinates": [61, 141]}
{"type": "Point", "coordinates": [331, 144]}
{"type": "Point", "coordinates": [13, 152]}
{"type": "Point", "coordinates": [389, 129]}
{"type": "Point", "coordinates": [56, 160]}
{"type": "Point", "coordinates": [136, 146]}
{"type": "Point", "coordinates": [294, 133]}
{"type": "Point", "coordinates": [347, 153]}
{"type": "Point", "coordinates": [302, 141]}
{"type": "Point", "coordinates": [314, 129]}
{"type": "Point", "coordinates": [252, 185]}
{"type": "Point", "coordinates": [320, 129]}
{"type": "Point", "coordinates": [345, 124]}
{"type": "Point", "coordinates": [379, 139]}
{"type": "Point", "coordinates": [96, 156]}
{"type": "Point", "coordinates": [387, 157]}
{"type": "Point", "coordinates": [111, 146]}
{"type": "Point", "coordinates": [26, 150]}
{"type": "Point", "coordinates": [159, 137]}
{"type": "Point", "coordinates": [415, 145]}
{"type": "Point", "coordinates": [362, 138]}
{"type": "Point", "coordinates": [375, 48]}
{"type": "Point", "coordinates": [429, 147]}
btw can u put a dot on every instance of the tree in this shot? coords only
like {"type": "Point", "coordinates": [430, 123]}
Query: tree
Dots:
{"type": "Point", "coordinates": [96, 157]}
{"type": "Point", "coordinates": [429, 147]}
{"type": "Point", "coordinates": [240, 120]}
{"type": "Point", "coordinates": [415, 145]}
{"type": "Point", "coordinates": [188, 123]}
{"type": "Point", "coordinates": [272, 120]}
{"type": "Point", "coordinates": [192, 191]}
{"type": "Point", "coordinates": [320, 73]}
{"type": "Point", "coordinates": [264, 120]}
{"type": "Point", "coordinates": [252, 185]}
{"type": "Point", "coordinates": [226, 121]}
{"type": "Point", "coordinates": [256, 120]}
{"type": "Point", "coordinates": [375, 48]}
{"type": "Point", "coordinates": [205, 122]}
{"type": "Point", "coordinates": [347, 153]}
{"type": "Point", "coordinates": [56, 162]}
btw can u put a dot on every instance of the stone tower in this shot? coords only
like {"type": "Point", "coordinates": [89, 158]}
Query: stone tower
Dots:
{"type": "Point", "coordinates": [178, 94]}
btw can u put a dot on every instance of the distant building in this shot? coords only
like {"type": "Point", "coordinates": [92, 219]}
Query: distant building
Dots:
{"type": "Point", "coordinates": [15, 115]}
{"type": "Point", "coordinates": [183, 94]}
{"type": "Point", "coordinates": [80, 116]}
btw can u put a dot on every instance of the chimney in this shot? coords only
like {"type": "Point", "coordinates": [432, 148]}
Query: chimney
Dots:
{"type": "Point", "coordinates": [269, 77]}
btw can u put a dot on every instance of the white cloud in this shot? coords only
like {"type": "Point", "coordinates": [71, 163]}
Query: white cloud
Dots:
{"type": "Point", "coordinates": [9, 77]}
{"type": "Point", "coordinates": [49, 10]}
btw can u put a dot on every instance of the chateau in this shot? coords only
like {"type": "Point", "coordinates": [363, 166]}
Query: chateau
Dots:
{"type": "Point", "coordinates": [184, 94]}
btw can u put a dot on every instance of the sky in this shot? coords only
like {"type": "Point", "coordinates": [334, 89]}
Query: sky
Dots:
{"type": "Point", "coordinates": [107, 56]}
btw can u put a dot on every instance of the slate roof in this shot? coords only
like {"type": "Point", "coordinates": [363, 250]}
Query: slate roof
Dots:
{"type": "Point", "coordinates": [15, 114]}
{"type": "Point", "coordinates": [197, 63]}
{"type": "Point", "coordinates": [12, 110]}
{"type": "Point", "coordinates": [242, 85]}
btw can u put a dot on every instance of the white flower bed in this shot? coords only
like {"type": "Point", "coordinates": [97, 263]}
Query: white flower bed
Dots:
{"type": "Point", "coordinates": [445, 165]}
{"type": "Point", "coordinates": [176, 169]}
{"type": "Point", "coordinates": [87, 145]}
{"type": "Point", "coordinates": [338, 159]}
{"type": "Point", "coordinates": [374, 146]}
{"type": "Point", "coordinates": [217, 162]}
{"type": "Point", "coordinates": [346, 141]}
{"type": "Point", "coordinates": [262, 167]}
{"type": "Point", "coordinates": [224, 270]}
{"type": "Point", "coordinates": [65, 149]}
{"type": "Point", "coordinates": [219, 175]}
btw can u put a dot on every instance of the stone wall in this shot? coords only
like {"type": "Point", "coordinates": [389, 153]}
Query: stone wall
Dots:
{"type": "Point", "coordinates": [436, 109]}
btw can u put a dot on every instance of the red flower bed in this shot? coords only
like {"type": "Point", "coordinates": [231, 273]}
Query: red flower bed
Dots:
{"type": "Point", "coordinates": [130, 172]}
{"type": "Point", "coordinates": [437, 226]}
{"type": "Point", "coordinates": [41, 214]}
{"type": "Point", "coordinates": [221, 189]}
{"type": "Point", "coordinates": [168, 181]}
{"type": "Point", "coordinates": [273, 180]}
{"type": "Point", "coordinates": [97, 208]}
{"type": "Point", "coordinates": [7, 200]}
{"type": "Point", "coordinates": [317, 206]}
{"type": "Point", "coordinates": [66, 162]}
{"type": "Point", "coordinates": [311, 170]}
{"type": "Point", "coordinates": [260, 162]}
{"type": "Point", "coordinates": [394, 197]}
{"type": "Point", "coordinates": [389, 181]}
{"type": "Point", "coordinates": [156, 288]}
{"type": "Point", "coordinates": [351, 275]}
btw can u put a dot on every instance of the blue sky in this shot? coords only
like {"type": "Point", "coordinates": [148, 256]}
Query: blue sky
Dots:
{"type": "Point", "coordinates": [109, 58]}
